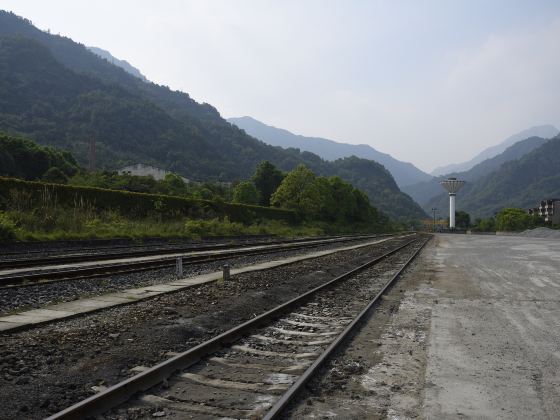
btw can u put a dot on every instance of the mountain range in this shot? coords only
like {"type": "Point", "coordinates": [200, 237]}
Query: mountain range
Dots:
{"type": "Point", "coordinates": [424, 192]}
{"type": "Point", "coordinates": [123, 64]}
{"type": "Point", "coordinates": [544, 131]}
{"type": "Point", "coordinates": [59, 93]}
{"type": "Point", "coordinates": [405, 173]}
{"type": "Point", "coordinates": [521, 183]}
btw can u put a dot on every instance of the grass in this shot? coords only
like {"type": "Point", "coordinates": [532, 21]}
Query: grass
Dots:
{"type": "Point", "coordinates": [69, 225]}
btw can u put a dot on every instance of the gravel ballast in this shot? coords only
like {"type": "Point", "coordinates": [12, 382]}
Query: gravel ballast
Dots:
{"type": "Point", "coordinates": [16, 299]}
{"type": "Point", "coordinates": [49, 368]}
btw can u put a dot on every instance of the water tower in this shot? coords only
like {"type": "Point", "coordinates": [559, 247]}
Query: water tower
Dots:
{"type": "Point", "coordinates": [452, 185]}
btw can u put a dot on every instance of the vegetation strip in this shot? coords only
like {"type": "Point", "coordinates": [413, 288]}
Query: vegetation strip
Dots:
{"type": "Point", "coordinates": [122, 391]}
{"type": "Point", "coordinates": [35, 317]}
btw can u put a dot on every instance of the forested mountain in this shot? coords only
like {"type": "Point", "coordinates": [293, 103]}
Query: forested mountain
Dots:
{"type": "Point", "coordinates": [544, 131]}
{"type": "Point", "coordinates": [405, 173]}
{"type": "Point", "coordinates": [123, 64]}
{"type": "Point", "coordinates": [425, 191]}
{"type": "Point", "coordinates": [519, 183]}
{"type": "Point", "coordinates": [59, 93]}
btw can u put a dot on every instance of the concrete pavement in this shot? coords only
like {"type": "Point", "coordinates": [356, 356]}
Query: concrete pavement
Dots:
{"type": "Point", "coordinates": [494, 347]}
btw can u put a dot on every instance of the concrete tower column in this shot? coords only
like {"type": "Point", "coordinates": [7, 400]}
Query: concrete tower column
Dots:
{"type": "Point", "coordinates": [451, 211]}
{"type": "Point", "coordinates": [452, 185]}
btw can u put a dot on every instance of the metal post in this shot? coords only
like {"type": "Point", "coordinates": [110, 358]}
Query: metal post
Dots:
{"type": "Point", "coordinates": [179, 267]}
{"type": "Point", "coordinates": [226, 272]}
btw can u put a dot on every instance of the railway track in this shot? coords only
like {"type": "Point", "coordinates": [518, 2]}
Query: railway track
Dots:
{"type": "Point", "coordinates": [257, 368]}
{"type": "Point", "coordinates": [31, 249]}
{"type": "Point", "coordinates": [48, 270]}
{"type": "Point", "coordinates": [70, 256]}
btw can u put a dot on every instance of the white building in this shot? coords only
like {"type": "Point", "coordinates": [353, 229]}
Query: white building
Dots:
{"type": "Point", "coordinates": [141, 169]}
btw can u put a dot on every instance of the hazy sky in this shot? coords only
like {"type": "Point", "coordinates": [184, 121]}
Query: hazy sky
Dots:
{"type": "Point", "coordinates": [431, 82]}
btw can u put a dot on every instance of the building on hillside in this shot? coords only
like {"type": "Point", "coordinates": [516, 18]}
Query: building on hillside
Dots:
{"type": "Point", "coordinates": [549, 210]}
{"type": "Point", "coordinates": [141, 169]}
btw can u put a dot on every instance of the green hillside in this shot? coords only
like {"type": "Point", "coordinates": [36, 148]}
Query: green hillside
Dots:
{"type": "Point", "coordinates": [519, 183]}
{"type": "Point", "coordinates": [57, 92]}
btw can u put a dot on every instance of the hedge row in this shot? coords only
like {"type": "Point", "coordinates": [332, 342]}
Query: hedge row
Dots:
{"type": "Point", "coordinates": [134, 204]}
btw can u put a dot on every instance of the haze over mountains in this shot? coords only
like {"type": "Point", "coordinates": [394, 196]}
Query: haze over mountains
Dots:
{"type": "Point", "coordinates": [404, 173]}
{"type": "Point", "coordinates": [544, 131]}
{"type": "Point", "coordinates": [59, 93]}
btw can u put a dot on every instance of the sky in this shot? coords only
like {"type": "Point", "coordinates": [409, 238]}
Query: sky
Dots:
{"type": "Point", "coordinates": [429, 82]}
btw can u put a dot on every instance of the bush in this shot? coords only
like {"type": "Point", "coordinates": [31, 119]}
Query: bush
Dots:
{"type": "Point", "coordinates": [513, 219]}
{"type": "Point", "coordinates": [55, 176]}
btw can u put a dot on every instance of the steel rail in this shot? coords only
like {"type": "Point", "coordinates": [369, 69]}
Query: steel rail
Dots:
{"type": "Point", "coordinates": [58, 259]}
{"type": "Point", "coordinates": [121, 243]}
{"type": "Point", "coordinates": [123, 391]}
{"type": "Point", "coordinates": [277, 409]}
{"type": "Point", "coordinates": [34, 278]}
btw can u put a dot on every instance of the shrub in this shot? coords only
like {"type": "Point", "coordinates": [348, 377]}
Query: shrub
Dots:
{"type": "Point", "coordinates": [512, 219]}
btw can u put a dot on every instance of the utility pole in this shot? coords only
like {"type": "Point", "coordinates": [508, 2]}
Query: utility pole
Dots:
{"type": "Point", "coordinates": [434, 209]}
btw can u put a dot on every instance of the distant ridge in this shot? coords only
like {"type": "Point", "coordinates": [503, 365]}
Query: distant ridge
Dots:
{"type": "Point", "coordinates": [519, 183]}
{"type": "Point", "coordinates": [123, 64]}
{"type": "Point", "coordinates": [404, 173]}
{"type": "Point", "coordinates": [423, 192]}
{"type": "Point", "coordinates": [544, 131]}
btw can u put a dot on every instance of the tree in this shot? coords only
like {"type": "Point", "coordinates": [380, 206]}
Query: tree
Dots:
{"type": "Point", "coordinates": [267, 179]}
{"type": "Point", "coordinates": [301, 190]}
{"type": "Point", "coordinates": [245, 192]}
{"type": "Point", "coordinates": [175, 184]}
{"type": "Point", "coordinates": [55, 175]}
{"type": "Point", "coordinates": [462, 219]}
{"type": "Point", "coordinates": [512, 219]}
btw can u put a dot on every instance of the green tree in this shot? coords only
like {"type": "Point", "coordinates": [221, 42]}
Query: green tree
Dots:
{"type": "Point", "coordinates": [175, 184]}
{"type": "Point", "coordinates": [245, 192]}
{"type": "Point", "coordinates": [301, 190]}
{"type": "Point", "coordinates": [267, 179]}
{"type": "Point", "coordinates": [462, 219]}
{"type": "Point", "coordinates": [485, 225]}
{"type": "Point", "coordinates": [512, 219]}
{"type": "Point", "coordinates": [55, 175]}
